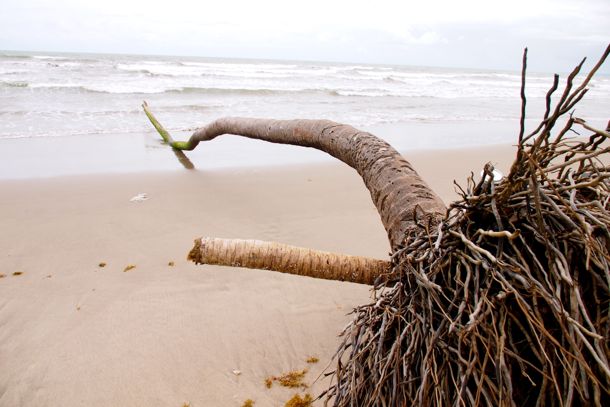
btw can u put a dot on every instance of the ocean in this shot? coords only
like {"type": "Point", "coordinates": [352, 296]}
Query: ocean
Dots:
{"type": "Point", "coordinates": [88, 98]}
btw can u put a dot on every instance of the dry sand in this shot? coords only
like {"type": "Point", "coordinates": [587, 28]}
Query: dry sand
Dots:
{"type": "Point", "coordinates": [73, 333]}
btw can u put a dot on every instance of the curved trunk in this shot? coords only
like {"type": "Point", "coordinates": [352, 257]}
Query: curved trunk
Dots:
{"type": "Point", "coordinates": [398, 192]}
{"type": "Point", "coordinates": [402, 198]}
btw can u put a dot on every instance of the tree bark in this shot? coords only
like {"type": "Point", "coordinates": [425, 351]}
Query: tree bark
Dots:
{"type": "Point", "coordinates": [398, 192]}
{"type": "Point", "coordinates": [287, 259]}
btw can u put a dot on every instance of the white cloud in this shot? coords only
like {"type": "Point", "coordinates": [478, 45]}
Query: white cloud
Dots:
{"type": "Point", "coordinates": [393, 31]}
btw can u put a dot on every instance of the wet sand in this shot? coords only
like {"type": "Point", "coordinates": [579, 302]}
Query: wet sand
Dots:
{"type": "Point", "coordinates": [75, 333]}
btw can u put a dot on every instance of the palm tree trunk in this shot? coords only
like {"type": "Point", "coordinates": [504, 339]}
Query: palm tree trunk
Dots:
{"type": "Point", "coordinates": [280, 257]}
{"type": "Point", "coordinates": [400, 195]}
{"type": "Point", "coordinates": [396, 188]}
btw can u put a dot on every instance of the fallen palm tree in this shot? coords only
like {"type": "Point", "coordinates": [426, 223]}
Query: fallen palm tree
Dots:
{"type": "Point", "coordinates": [503, 299]}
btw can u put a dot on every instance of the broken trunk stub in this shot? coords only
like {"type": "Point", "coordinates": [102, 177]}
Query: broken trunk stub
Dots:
{"type": "Point", "coordinates": [141, 197]}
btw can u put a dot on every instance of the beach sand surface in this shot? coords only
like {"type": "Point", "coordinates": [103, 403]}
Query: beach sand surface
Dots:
{"type": "Point", "coordinates": [73, 333]}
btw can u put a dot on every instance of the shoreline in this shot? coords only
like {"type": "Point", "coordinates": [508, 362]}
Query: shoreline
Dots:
{"type": "Point", "coordinates": [425, 161]}
{"type": "Point", "coordinates": [46, 157]}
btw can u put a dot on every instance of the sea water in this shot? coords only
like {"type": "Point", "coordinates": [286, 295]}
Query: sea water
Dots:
{"type": "Point", "coordinates": [84, 97]}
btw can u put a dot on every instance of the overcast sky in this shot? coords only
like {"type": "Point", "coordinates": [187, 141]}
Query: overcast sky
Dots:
{"type": "Point", "coordinates": [466, 33]}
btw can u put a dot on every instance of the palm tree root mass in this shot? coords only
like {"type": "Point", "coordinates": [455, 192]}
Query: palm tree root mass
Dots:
{"type": "Point", "coordinates": [503, 299]}
{"type": "Point", "coordinates": [508, 302]}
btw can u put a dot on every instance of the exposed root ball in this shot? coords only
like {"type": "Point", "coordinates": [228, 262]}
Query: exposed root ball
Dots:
{"type": "Point", "coordinates": [507, 302]}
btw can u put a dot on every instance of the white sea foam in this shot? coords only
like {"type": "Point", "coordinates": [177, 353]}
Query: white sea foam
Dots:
{"type": "Point", "coordinates": [49, 57]}
{"type": "Point", "coordinates": [97, 94]}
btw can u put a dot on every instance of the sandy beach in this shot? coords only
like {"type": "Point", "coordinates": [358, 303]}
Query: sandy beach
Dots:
{"type": "Point", "coordinates": [74, 333]}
